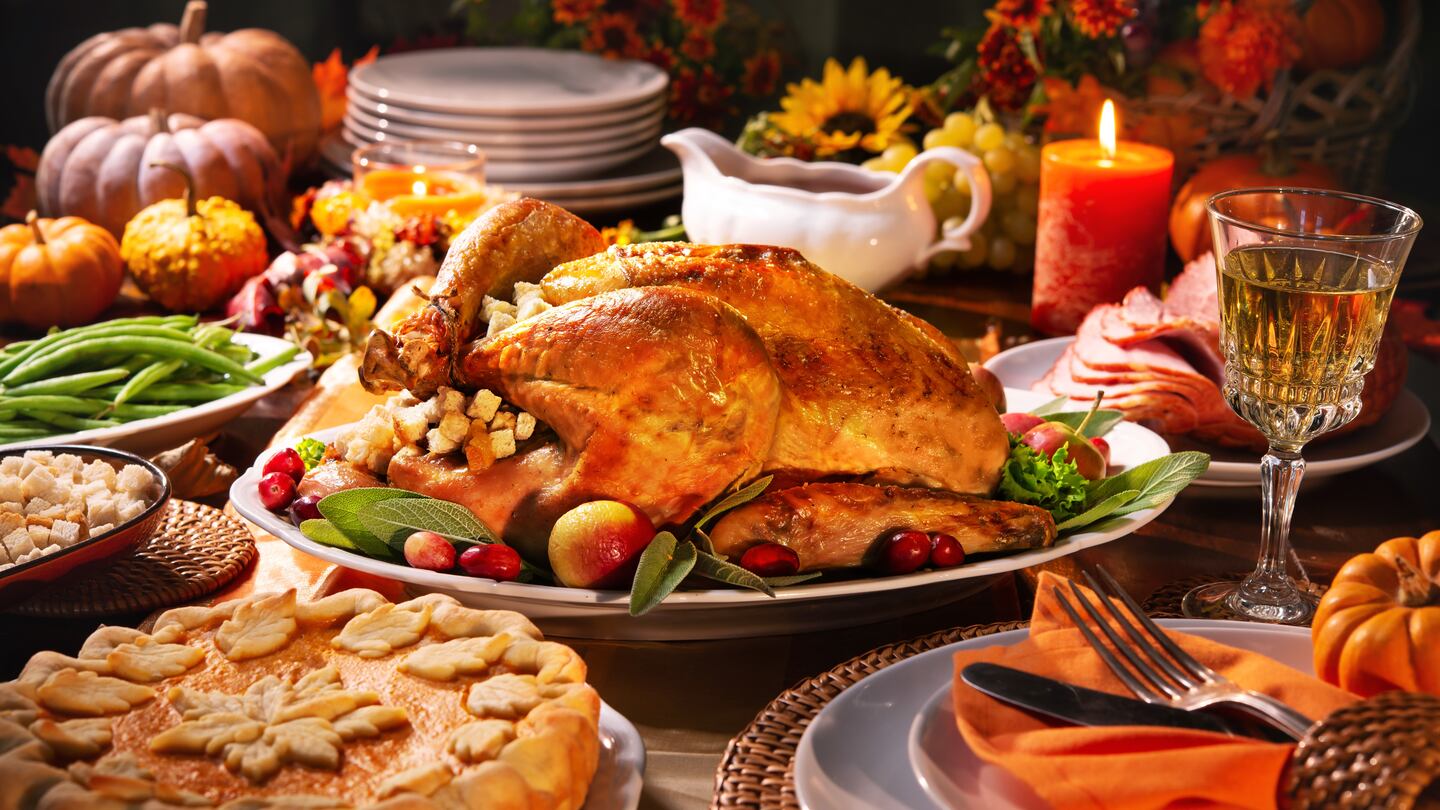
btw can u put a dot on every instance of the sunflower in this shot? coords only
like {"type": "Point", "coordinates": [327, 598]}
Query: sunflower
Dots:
{"type": "Point", "coordinates": [846, 109]}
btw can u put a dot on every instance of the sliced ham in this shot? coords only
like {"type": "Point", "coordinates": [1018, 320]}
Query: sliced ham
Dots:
{"type": "Point", "coordinates": [1142, 316]}
{"type": "Point", "coordinates": [1194, 294]}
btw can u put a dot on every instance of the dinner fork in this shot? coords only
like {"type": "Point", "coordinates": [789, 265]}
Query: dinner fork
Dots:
{"type": "Point", "coordinates": [1177, 679]}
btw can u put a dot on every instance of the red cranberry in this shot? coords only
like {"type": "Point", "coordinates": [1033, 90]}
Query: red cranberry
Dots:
{"type": "Point", "coordinates": [945, 551]}
{"type": "Point", "coordinates": [305, 508]}
{"type": "Point", "coordinates": [1103, 446]}
{"type": "Point", "coordinates": [491, 560]}
{"type": "Point", "coordinates": [277, 490]}
{"type": "Point", "coordinates": [905, 551]}
{"type": "Point", "coordinates": [770, 560]}
{"type": "Point", "coordinates": [286, 461]}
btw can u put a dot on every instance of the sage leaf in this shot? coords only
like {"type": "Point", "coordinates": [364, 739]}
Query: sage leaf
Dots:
{"type": "Point", "coordinates": [663, 565]}
{"type": "Point", "coordinates": [743, 496]}
{"type": "Point", "coordinates": [325, 533]}
{"type": "Point", "coordinates": [1100, 510]}
{"type": "Point", "coordinates": [1053, 406]}
{"type": "Point", "coordinates": [719, 569]}
{"type": "Point", "coordinates": [342, 509]}
{"type": "Point", "coordinates": [395, 520]}
{"type": "Point", "coordinates": [1157, 481]}
{"type": "Point", "coordinates": [1099, 424]}
{"type": "Point", "coordinates": [703, 542]}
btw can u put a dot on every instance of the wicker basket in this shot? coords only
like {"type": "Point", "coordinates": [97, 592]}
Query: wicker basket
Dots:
{"type": "Point", "coordinates": [1340, 119]}
{"type": "Point", "coordinates": [1383, 752]}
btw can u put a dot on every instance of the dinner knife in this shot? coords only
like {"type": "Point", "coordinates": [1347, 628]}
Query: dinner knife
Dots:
{"type": "Point", "coordinates": [1076, 704]}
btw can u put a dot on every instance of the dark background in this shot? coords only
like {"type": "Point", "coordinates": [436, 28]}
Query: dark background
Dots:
{"type": "Point", "coordinates": [897, 34]}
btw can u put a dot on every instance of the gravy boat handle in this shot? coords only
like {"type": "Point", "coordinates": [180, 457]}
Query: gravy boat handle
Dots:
{"type": "Point", "coordinates": [958, 237]}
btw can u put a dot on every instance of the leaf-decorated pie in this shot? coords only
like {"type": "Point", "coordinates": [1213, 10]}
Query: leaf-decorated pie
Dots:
{"type": "Point", "coordinates": [346, 701]}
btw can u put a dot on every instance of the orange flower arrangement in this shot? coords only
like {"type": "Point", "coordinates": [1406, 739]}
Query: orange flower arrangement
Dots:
{"type": "Point", "coordinates": [700, 97]}
{"type": "Point", "coordinates": [571, 12]}
{"type": "Point", "coordinates": [762, 73]}
{"type": "Point", "coordinates": [1244, 42]}
{"type": "Point", "coordinates": [613, 35]}
{"type": "Point", "coordinates": [697, 46]}
{"type": "Point", "coordinates": [1024, 15]}
{"type": "Point", "coordinates": [702, 14]}
{"type": "Point", "coordinates": [1098, 19]}
{"type": "Point", "coordinates": [1004, 68]}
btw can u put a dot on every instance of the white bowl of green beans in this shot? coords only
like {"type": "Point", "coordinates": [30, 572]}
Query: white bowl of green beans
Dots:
{"type": "Point", "coordinates": [142, 384]}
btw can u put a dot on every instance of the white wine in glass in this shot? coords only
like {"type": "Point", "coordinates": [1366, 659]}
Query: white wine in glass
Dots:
{"type": "Point", "coordinates": [1306, 279]}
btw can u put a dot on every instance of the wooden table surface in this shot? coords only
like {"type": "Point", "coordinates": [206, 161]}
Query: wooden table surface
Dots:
{"type": "Point", "coordinates": [689, 698]}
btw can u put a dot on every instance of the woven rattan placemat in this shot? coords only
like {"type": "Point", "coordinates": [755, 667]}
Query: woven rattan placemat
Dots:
{"type": "Point", "coordinates": [758, 768]}
{"type": "Point", "coordinates": [197, 550]}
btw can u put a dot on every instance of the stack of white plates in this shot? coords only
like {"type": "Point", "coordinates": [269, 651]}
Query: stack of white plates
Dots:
{"type": "Point", "coordinates": [571, 127]}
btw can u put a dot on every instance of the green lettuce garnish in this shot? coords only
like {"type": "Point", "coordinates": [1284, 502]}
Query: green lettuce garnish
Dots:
{"type": "Point", "coordinates": [1053, 484]}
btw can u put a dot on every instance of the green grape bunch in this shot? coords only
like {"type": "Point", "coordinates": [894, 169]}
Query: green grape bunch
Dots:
{"type": "Point", "coordinates": [1006, 241]}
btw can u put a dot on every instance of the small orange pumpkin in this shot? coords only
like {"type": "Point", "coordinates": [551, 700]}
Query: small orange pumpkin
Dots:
{"type": "Point", "coordinates": [1272, 166]}
{"type": "Point", "coordinates": [57, 272]}
{"type": "Point", "coordinates": [1341, 33]}
{"type": "Point", "coordinates": [1378, 627]}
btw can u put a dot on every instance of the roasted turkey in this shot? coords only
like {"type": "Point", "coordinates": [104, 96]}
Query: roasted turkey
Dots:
{"type": "Point", "coordinates": [670, 373]}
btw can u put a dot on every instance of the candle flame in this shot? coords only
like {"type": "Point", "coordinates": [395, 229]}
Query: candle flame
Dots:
{"type": "Point", "coordinates": [1107, 129]}
{"type": "Point", "coordinates": [418, 188]}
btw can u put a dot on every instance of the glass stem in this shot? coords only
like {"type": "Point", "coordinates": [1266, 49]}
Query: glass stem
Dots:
{"type": "Point", "coordinates": [1280, 473]}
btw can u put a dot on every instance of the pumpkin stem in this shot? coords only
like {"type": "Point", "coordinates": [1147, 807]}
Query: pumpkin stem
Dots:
{"type": "Point", "coordinates": [159, 121]}
{"type": "Point", "coordinates": [33, 220]}
{"type": "Point", "coordinates": [1275, 160]}
{"type": "Point", "coordinates": [192, 22]}
{"type": "Point", "coordinates": [190, 210]}
{"type": "Point", "coordinates": [1415, 589]}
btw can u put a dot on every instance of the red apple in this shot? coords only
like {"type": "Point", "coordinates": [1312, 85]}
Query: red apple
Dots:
{"type": "Point", "coordinates": [1048, 437]}
{"type": "Point", "coordinates": [1020, 422]}
{"type": "Point", "coordinates": [1103, 446]}
{"type": "Point", "coordinates": [598, 544]}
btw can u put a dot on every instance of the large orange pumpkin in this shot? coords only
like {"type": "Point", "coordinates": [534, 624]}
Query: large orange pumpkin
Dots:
{"type": "Point", "coordinates": [1378, 627]}
{"type": "Point", "coordinates": [1341, 33]}
{"type": "Point", "coordinates": [57, 272]}
{"type": "Point", "coordinates": [1189, 222]}
{"type": "Point", "coordinates": [98, 168]}
{"type": "Point", "coordinates": [254, 75]}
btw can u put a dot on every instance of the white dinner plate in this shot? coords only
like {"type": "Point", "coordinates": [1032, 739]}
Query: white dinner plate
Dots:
{"type": "Point", "coordinates": [1407, 422]}
{"type": "Point", "coordinates": [505, 124]}
{"type": "Point", "coordinates": [605, 204]}
{"type": "Point", "coordinates": [619, 775]}
{"type": "Point", "coordinates": [500, 171]}
{"type": "Point", "coordinates": [508, 81]}
{"type": "Point", "coordinates": [857, 752]}
{"type": "Point", "coordinates": [488, 140]}
{"type": "Point", "coordinates": [148, 436]}
{"type": "Point", "coordinates": [721, 612]}
{"type": "Point", "coordinates": [523, 152]}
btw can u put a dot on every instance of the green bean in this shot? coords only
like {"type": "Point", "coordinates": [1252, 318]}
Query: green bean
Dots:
{"type": "Point", "coordinates": [68, 422]}
{"type": "Point", "coordinates": [133, 410]}
{"type": "Point", "coordinates": [69, 384]}
{"type": "Point", "coordinates": [9, 363]}
{"type": "Point", "coordinates": [15, 434]}
{"type": "Point", "coordinates": [159, 347]}
{"type": "Point", "coordinates": [268, 364]}
{"type": "Point", "coordinates": [146, 377]}
{"type": "Point", "coordinates": [54, 402]}
{"type": "Point", "coordinates": [15, 373]}
{"type": "Point", "coordinates": [173, 392]}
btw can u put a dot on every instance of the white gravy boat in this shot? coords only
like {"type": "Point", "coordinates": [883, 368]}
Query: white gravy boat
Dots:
{"type": "Point", "coordinates": [870, 228]}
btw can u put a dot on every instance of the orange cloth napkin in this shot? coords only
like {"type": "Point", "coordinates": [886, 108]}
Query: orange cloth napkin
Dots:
{"type": "Point", "coordinates": [1129, 767]}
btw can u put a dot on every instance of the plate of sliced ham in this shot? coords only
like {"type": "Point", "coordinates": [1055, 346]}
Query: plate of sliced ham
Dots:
{"type": "Point", "coordinates": [1158, 361]}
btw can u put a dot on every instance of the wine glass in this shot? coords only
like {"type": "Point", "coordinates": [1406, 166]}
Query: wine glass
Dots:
{"type": "Point", "coordinates": [1305, 282]}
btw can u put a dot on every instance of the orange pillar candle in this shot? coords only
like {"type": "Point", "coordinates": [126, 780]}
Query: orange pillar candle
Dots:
{"type": "Point", "coordinates": [410, 193]}
{"type": "Point", "coordinates": [1101, 227]}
